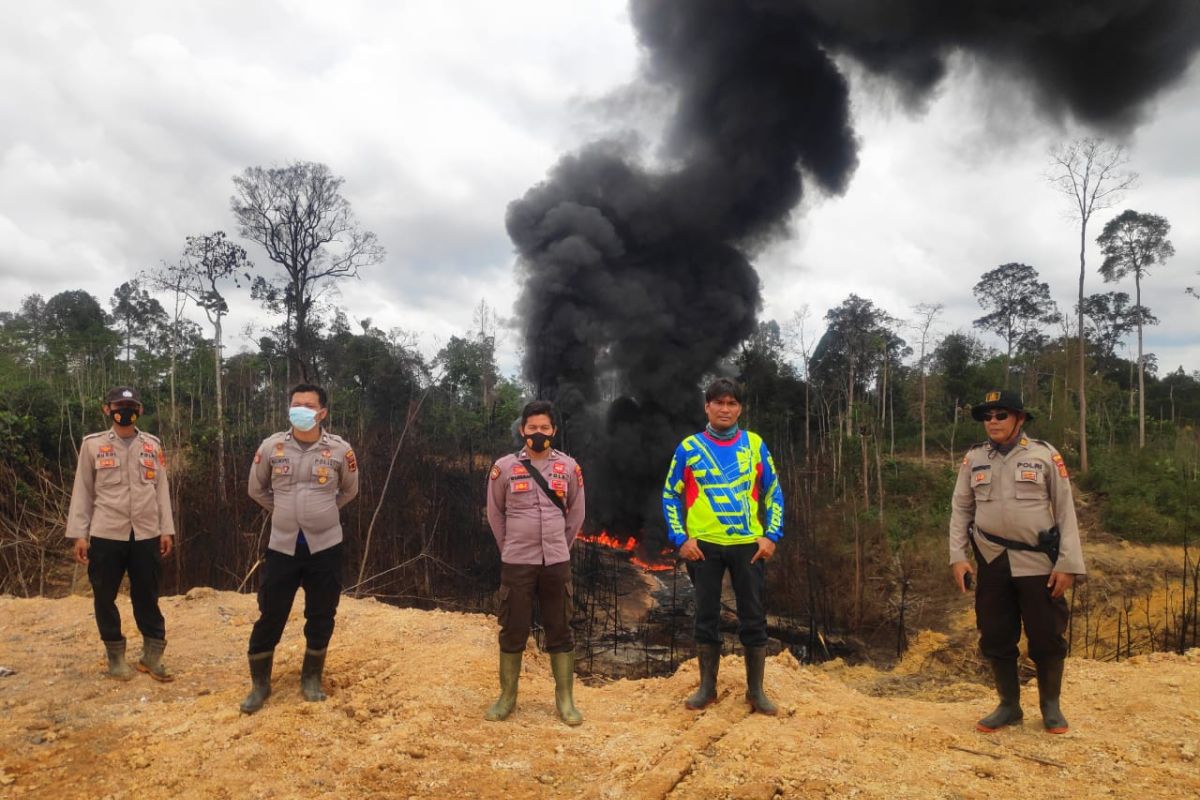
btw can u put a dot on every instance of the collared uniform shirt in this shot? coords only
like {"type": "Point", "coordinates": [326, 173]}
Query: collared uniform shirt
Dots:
{"type": "Point", "coordinates": [120, 486]}
{"type": "Point", "coordinates": [528, 527]}
{"type": "Point", "coordinates": [1014, 496]}
{"type": "Point", "coordinates": [304, 488]}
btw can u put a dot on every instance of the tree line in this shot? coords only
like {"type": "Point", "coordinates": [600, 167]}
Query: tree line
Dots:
{"type": "Point", "coordinates": [866, 419]}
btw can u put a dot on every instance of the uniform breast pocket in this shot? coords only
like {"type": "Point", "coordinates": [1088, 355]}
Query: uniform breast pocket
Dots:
{"type": "Point", "coordinates": [981, 484]}
{"type": "Point", "coordinates": [521, 493]}
{"type": "Point", "coordinates": [324, 479]}
{"type": "Point", "coordinates": [1029, 484]}
{"type": "Point", "coordinates": [148, 469]}
{"type": "Point", "coordinates": [108, 471]}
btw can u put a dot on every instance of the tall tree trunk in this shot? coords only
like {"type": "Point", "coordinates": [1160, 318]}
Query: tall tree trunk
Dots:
{"type": "Point", "coordinates": [1083, 452]}
{"type": "Point", "coordinates": [1137, 282]}
{"type": "Point", "coordinates": [217, 362]}
{"type": "Point", "coordinates": [923, 398]}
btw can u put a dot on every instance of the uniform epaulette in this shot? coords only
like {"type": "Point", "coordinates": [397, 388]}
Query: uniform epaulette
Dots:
{"type": "Point", "coordinates": [94, 435]}
{"type": "Point", "coordinates": [150, 436]}
{"type": "Point", "coordinates": [977, 445]}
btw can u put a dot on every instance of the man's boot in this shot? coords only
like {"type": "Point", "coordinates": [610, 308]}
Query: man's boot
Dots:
{"type": "Point", "coordinates": [563, 667]}
{"type": "Point", "coordinates": [1008, 686]}
{"type": "Point", "coordinates": [151, 660]}
{"type": "Point", "coordinates": [510, 674]}
{"type": "Point", "coordinates": [118, 667]}
{"type": "Point", "coordinates": [709, 656]}
{"type": "Point", "coordinates": [756, 661]}
{"type": "Point", "coordinates": [310, 675]}
{"type": "Point", "coordinates": [1050, 675]}
{"type": "Point", "coordinates": [260, 681]}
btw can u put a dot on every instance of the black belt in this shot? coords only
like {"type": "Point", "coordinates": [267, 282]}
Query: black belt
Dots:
{"type": "Point", "coordinates": [1048, 542]}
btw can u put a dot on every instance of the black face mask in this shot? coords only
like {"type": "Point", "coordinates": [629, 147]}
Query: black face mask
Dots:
{"type": "Point", "coordinates": [538, 442]}
{"type": "Point", "coordinates": [124, 416]}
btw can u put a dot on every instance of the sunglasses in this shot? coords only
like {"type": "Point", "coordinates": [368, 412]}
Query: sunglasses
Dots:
{"type": "Point", "coordinates": [999, 416]}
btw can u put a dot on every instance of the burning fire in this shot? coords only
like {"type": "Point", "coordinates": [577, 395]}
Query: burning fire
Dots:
{"type": "Point", "coordinates": [629, 546]}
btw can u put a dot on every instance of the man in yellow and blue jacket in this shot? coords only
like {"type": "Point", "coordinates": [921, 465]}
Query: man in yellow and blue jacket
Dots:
{"type": "Point", "coordinates": [724, 511]}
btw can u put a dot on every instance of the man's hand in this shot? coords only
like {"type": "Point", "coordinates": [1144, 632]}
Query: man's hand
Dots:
{"type": "Point", "coordinates": [81, 550]}
{"type": "Point", "coordinates": [691, 551]}
{"type": "Point", "coordinates": [766, 549]}
{"type": "Point", "coordinates": [1059, 583]}
{"type": "Point", "coordinates": [165, 545]}
{"type": "Point", "coordinates": [961, 568]}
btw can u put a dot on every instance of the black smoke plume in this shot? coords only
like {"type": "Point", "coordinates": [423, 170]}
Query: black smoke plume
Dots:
{"type": "Point", "coordinates": [638, 279]}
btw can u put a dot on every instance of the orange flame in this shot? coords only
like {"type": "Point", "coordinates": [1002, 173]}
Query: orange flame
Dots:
{"type": "Point", "coordinates": [628, 546]}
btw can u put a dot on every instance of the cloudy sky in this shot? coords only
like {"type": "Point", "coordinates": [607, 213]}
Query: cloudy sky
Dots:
{"type": "Point", "coordinates": [124, 122]}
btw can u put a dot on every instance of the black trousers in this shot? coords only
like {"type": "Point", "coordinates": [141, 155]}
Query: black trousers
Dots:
{"type": "Point", "coordinates": [1003, 603]}
{"type": "Point", "coordinates": [550, 585]}
{"type": "Point", "coordinates": [749, 581]}
{"type": "Point", "coordinates": [108, 561]}
{"type": "Point", "coordinates": [321, 576]}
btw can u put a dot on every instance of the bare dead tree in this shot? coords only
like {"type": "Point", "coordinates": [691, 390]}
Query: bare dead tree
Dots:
{"type": "Point", "coordinates": [298, 215]}
{"type": "Point", "coordinates": [1092, 174]}
{"type": "Point", "coordinates": [927, 314]}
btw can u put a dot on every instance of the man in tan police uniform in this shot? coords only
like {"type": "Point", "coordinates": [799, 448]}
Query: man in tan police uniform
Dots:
{"type": "Point", "coordinates": [303, 476]}
{"type": "Point", "coordinates": [536, 507]}
{"type": "Point", "coordinates": [120, 519]}
{"type": "Point", "coordinates": [1012, 506]}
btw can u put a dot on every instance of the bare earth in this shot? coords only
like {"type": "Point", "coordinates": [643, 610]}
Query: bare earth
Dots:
{"type": "Point", "coordinates": [405, 719]}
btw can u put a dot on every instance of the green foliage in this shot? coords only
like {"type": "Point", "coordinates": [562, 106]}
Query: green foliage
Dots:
{"type": "Point", "coordinates": [918, 506]}
{"type": "Point", "coordinates": [1149, 495]}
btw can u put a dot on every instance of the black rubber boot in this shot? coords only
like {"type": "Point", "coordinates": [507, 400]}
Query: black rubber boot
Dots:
{"type": "Point", "coordinates": [1050, 676]}
{"type": "Point", "coordinates": [562, 665]}
{"type": "Point", "coordinates": [1008, 686]}
{"type": "Point", "coordinates": [510, 675]}
{"type": "Point", "coordinates": [310, 675]}
{"type": "Point", "coordinates": [756, 662]}
{"type": "Point", "coordinates": [151, 660]}
{"type": "Point", "coordinates": [118, 667]}
{"type": "Point", "coordinates": [709, 656]}
{"type": "Point", "coordinates": [260, 677]}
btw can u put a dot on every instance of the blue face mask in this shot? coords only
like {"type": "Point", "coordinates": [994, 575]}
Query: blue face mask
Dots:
{"type": "Point", "coordinates": [302, 419]}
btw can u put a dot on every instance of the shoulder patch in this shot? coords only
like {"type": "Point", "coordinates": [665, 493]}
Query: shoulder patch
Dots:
{"type": "Point", "coordinates": [1058, 462]}
{"type": "Point", "coordinates": [495, 472]}
{"type": "Point", "coordinates": [351, 461]}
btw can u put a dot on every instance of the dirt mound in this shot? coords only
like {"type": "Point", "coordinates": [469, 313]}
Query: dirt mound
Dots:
{"type": "Point", "coordinates": [405, 719]}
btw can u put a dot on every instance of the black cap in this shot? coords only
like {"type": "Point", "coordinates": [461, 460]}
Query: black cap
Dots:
{"type": "Point", "coordinates": [122, 394]}
{"type": "Point", "coordinates": [1000, 398]}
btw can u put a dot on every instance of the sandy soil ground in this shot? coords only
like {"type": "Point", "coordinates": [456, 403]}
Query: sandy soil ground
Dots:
{"type": "Point", "coordinates": [408, 690]}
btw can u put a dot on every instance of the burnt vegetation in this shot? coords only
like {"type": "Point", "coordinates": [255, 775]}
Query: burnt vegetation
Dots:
{"type": "Point", "coordinates": [637, 285]}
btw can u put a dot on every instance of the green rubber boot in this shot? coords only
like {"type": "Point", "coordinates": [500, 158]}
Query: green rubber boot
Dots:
{"type": "Point", "coordinates": [756, 662]}
{"type": "Point", "coordinates": [310, 675]}
{"type": "Point", "coordinates": [260, 678]}
{"type": "Point", "coordinates": [510, 674]}
{"type": "Point", "coordinates": [151, 660]}
{"type": "Point", "coordinates": [563, 667]}
{"type": "Point", "coordinates": [118, 667]}
{"type": "Point", "coordinates": [709, 656]}
{"type": "Point", "coordinates": [1050, 676]}
{"type": "Point", "coordinates": [1008, 686]}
